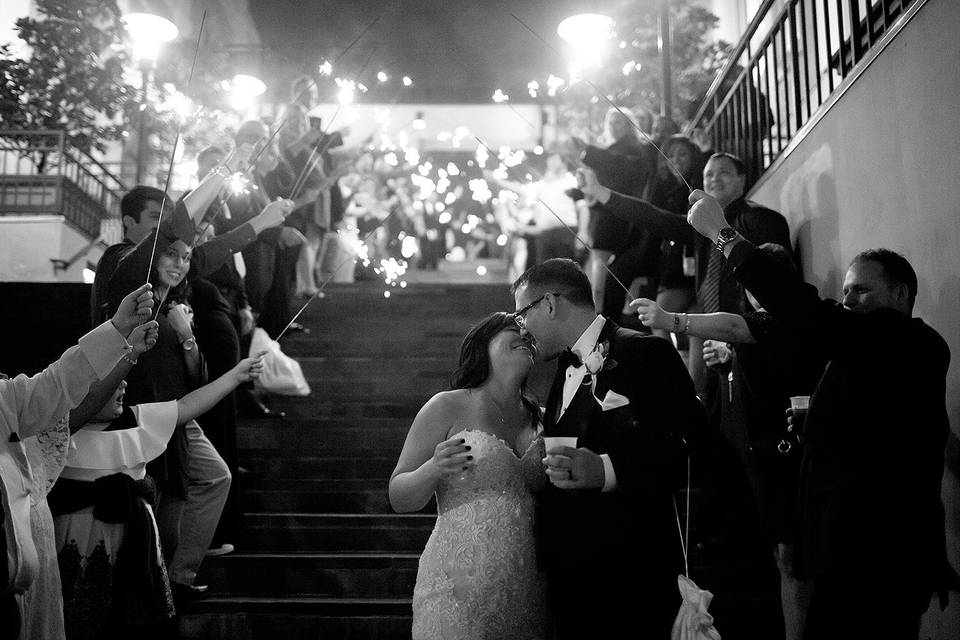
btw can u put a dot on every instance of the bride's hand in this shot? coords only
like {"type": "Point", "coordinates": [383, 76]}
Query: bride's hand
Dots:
{"type": "Point", "coordinates": [452, 457]}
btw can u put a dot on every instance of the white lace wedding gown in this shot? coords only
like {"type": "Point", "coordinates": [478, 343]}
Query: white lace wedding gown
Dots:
{"type": "Point", "coordinates": [478, 577]}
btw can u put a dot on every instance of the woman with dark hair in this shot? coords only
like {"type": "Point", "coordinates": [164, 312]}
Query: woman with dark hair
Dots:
{"type": "Point", "coordinates": [677, 290]}
{"type": "Point", "coordinates": [477, 448]}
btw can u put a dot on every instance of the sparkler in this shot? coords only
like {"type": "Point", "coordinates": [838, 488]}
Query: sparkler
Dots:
{"type": "Point", "coordinates": [173, 154]}
{"type": "Point", "coordinates": [564, 224]}
{"type": "Point", "coordinates": [323, 284]}
{"type": "Point", "coordinates": [326, 68]}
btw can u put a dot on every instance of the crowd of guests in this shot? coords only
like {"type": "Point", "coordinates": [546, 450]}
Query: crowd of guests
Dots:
{"type": "Point", "coordinates": [817, 441]}
{"type": "Point", "coordinates": [119, 462]}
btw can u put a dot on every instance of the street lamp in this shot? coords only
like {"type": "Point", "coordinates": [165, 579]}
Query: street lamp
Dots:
{"type": "Point", "coordinates": [587, 33]}
{"type": "Point", "coordinates": [147, 33]}
{"type": "Point", "coordinates": [243, 89]}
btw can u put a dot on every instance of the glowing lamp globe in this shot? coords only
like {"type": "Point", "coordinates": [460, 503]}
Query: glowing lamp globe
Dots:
{"type": "Point", "coordinates": [147, 33]}
{"type": "Point", "coordinates": [586, 27]}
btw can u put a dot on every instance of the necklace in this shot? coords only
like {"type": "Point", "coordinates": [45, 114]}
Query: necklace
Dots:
{"type": "Point", "coordinates": [496, 406]}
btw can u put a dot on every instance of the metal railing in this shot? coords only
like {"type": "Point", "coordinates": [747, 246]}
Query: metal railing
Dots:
{"type": "Point", "coordinates": [794, 55]}
{"type": "Point", "coordinates": [41, 172]}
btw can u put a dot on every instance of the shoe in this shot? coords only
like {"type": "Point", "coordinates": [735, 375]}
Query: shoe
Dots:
{"type": "Point", "coordinates": [296, 327]}
{"type": "Point", "coordinates": [186, 594]}
{"type": "Point", "coordinates": [222, 550]}
{"type": "Point", "coordinates": [256, 409]}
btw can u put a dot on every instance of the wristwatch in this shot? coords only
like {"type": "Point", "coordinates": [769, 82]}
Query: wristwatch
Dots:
{"type": "Point", "coordinates": [189, 343]}
{"type": "Point", "coordinates": [726, 235]}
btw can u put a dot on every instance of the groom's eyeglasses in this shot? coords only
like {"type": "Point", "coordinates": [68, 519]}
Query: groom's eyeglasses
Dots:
{"type": "Point", "coordinates": [520, 316]}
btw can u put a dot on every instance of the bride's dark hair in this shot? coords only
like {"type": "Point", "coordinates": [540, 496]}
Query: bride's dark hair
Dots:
{"type": "Point", "coordinates": [473, 368]}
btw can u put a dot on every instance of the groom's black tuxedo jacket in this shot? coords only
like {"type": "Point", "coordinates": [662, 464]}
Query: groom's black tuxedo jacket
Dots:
{"type": "Point", "coordinates": [592, 542]}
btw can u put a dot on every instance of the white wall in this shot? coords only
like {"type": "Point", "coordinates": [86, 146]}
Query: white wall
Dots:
{"type": "Point", "coordinates": [881, 169]}
{"type": "Point", "coordinates": [29, 243]}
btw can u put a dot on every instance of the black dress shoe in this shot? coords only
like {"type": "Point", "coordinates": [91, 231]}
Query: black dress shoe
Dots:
{"type": "Point", "coordinates": [186, 594]}
{"type": "Point", "coordinates": [256, 409]}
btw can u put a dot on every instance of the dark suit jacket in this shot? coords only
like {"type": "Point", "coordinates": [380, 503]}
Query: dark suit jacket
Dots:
{"type": "Point", "coordinates": [592, 542]}
{"type": "Point", "coordinates": [875, 434]}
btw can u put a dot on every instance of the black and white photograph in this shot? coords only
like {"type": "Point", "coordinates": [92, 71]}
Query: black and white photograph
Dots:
{"type": "Point", "coordinates": [479, 319]}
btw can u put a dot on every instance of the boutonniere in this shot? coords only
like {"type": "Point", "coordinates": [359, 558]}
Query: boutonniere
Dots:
{"type": "Point", "coordinates": [596, 359]}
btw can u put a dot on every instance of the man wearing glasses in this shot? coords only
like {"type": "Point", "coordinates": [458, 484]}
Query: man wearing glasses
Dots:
{"type": "Point", "coordinates": [607, 517]}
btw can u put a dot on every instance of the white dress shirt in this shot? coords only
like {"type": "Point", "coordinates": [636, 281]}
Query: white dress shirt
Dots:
{"type": "Point", "coordinates": [584, 345]}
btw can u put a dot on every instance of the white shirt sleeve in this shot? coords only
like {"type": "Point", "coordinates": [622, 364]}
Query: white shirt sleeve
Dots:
{"type": "Point", "coordinates": [31, 404]}
{"type": "Point", "coordinates": [609, 475]}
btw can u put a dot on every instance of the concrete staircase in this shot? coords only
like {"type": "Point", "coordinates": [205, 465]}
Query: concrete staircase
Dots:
{"type": "Point", "coordinates": [321, 554]}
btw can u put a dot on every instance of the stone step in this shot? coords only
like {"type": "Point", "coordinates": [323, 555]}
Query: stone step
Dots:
{"type": "Point", "coordinates": [351, 407]}
{"type": "Point", "coordinates": [314, 439]}
{"type": "Point", "coordinates": [335, 533]}
{"type": "Point", "coordinates": [375, 367]}
{"type": "Point", "coordinates": [273, 462]}
{"type": "Point", "coordinates": [312, 574]}
{"type": "Point", "coordinates": [317, 496]}
{"type": "Point", "coordinates": [378, 343]}
{"type": "Point", "coordinates": [297, 618]}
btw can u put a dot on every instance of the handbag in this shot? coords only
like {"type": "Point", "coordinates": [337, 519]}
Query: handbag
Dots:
{"type": "Point", "coordinates": [281, 374]}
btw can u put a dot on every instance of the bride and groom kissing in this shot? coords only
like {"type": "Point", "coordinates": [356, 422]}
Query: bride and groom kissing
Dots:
{"type": "Point", "coordinates": [570, 542]}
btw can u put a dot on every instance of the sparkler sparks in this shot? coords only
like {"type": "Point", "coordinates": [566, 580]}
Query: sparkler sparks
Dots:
{"type": "Point", "coordinates": [238, 184]}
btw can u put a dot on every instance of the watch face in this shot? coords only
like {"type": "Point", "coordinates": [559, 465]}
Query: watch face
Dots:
{"type": "Point", "coordinates": [727, 233]}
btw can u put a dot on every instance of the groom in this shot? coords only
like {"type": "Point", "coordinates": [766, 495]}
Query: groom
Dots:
{"type": "Point", "coordinates": [608, 535]}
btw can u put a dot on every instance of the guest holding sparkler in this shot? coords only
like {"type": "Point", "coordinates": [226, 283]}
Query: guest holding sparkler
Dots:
{"type": "Point", "coordinates": [193, 478]}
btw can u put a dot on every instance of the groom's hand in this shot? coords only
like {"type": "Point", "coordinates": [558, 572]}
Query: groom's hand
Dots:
{"type": "Point", "coordinates": [570, 468]}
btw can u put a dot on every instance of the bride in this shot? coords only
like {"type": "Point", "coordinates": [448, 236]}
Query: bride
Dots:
{"type": "Point", "coordinates": [477, 448]}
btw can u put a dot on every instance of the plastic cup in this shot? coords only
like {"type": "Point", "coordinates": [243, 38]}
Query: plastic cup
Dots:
{"type": "Point", "coordinates": [552, 442]}
{"type": "Point", "coordinates": [799, 403]}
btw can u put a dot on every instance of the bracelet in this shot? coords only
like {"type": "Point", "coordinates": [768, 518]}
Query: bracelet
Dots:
{"type": "Point", "coordinates": [676, 323]}
{"type": "Point", "coordinates": [132, 361]}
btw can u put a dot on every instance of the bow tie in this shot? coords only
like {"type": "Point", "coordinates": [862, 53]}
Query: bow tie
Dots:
{"type": "Point", "coordinates": [569, 359]}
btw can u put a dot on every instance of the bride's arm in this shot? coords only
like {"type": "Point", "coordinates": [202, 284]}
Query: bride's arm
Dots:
{"type": "Point", "coordinates": [428, 456]}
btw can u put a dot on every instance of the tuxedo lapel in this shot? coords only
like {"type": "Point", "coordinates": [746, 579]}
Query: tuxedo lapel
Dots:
{"type": "Point", "coordinates": [579, 413]}
{"type": "Point", "coordinates": [552, 408]}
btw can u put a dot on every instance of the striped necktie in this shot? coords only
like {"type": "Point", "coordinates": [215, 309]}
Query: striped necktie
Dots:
{"type": "Point", "coordinates": [710, 289]}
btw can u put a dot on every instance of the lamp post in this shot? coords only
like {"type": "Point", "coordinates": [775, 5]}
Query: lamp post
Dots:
{"type": "Point", "coordinates": [147, 33]}
{"type": "Point", "coordinates": [665, 43]}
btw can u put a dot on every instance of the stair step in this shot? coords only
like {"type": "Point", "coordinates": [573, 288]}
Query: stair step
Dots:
{"type": "Point", "coordinates": [271, 462]}
{"type": "Point", "coordinates": [340, 575]}
{"type": "Point", "coordinates": [316, 439]}
{"type": "Point", "coordinates": [312, 496]}
{"type": "Point", "coordinates": [370, 367]}
{"type": "Point", "coordinates": [328, 532]}
{"type": "Point", "coordinates": [316, 407]}
{"type": "Point", "coordinates": [297, 618]}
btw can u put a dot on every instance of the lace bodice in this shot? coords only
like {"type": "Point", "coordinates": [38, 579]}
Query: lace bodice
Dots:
{"type": "Point", "coordinates": [498, 472]}
{"type": "Point", "coordinates": [477, 575]}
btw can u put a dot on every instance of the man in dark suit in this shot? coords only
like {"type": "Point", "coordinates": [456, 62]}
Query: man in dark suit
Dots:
{"type": "Point", "coordinates": [871, 533]}
{"type": "Point", "coordinates": [608, 532]}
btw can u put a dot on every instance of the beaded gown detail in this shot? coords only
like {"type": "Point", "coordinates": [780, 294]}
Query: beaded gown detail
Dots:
{"type": "Point", "coordinates": [478, 577]}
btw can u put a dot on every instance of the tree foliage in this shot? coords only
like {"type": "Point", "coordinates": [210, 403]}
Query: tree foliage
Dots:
{"type": "Point", "coordinates": [631, 75]}
{"type": "Point", "coordinates": [73, 78]}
